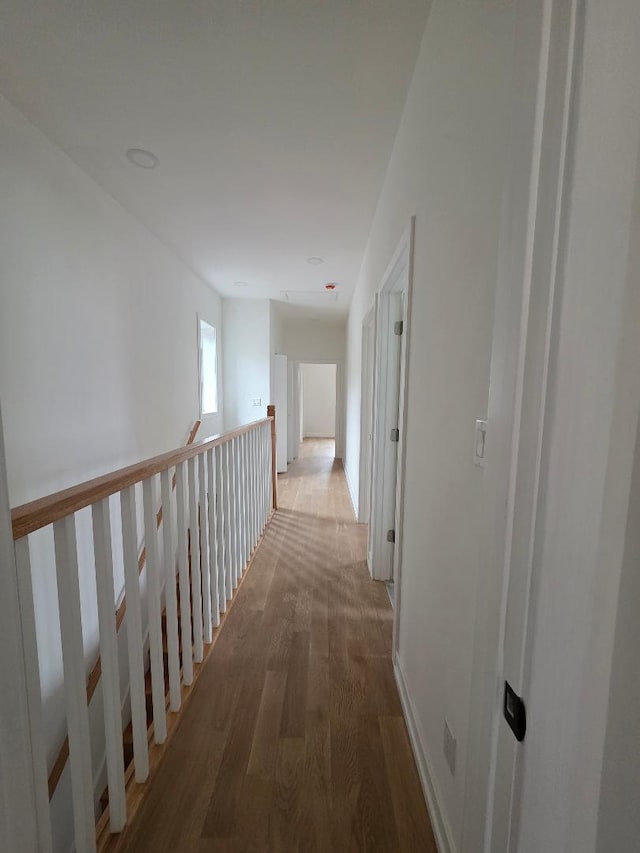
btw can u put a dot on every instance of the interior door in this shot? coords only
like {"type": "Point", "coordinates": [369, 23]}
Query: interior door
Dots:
{"type": "Point", "coordinates": [393, 418]}
{"type": "Point", "coordinates": [385, 435]}
{"type": "Point", "coordinates": [520, 372]}
{"type": "Point", "coordinates": [397, 520]}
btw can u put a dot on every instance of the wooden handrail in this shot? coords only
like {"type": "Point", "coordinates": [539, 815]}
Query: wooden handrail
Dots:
{"type": "Point", "coordinates": [39, 513]}
{"type": "Point", "coordinates": [94, 676]}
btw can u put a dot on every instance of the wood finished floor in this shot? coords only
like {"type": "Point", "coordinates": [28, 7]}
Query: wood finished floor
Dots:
{"type": "Point", "coordinates": [293, 739]}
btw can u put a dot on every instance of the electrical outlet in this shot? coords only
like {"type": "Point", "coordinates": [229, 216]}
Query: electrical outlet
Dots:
{"type": "Point", "coordinates": [449, 745]}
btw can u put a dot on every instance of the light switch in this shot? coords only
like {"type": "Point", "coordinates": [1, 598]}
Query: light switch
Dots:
{"type": "Point", "coordinates": [479, 446]}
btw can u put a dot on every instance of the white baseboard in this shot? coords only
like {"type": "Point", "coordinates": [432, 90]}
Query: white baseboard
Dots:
{"type": "Point", "coordinates": [439, 823]}
{"type": "Point", "coordinates": [354, 502]}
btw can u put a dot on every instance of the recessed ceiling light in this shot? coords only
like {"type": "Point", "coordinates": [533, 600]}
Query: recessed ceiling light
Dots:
{"type": "Point", "coordinates": [142, 158]}
{"type": "Point", "coordinates": [315, 261]}
{"type": "Point", "coordinates": [241, 283]}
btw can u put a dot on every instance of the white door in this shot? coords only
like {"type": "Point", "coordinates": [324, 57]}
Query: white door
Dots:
{"type": "Point", "coordinates": [280, 398]}
{"type": "Point", "coordinates": [521, 353]}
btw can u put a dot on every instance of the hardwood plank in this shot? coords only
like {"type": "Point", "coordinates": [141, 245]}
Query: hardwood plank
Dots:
{"type": "Point", "coordinates": [412, 822]}
{"type": "Point", "coordinates": [264, 748]}
{"type": "Point", "coordinates": [294, 738]}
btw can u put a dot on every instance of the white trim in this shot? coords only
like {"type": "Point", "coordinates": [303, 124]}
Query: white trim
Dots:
{"type": "Point", "coordinates": [516, 411]}
{"type": "Point", "coordinates": [202, 414]}
{"type": "Point", "coordinates": [354, 505]}
{"type": "Point", "coordinates": [367, 369]}
{"type": "Point", "coordinates": [396, 280]}
{"type": "Point", "coordinates": [340, 402]}
{"type": "Point", "coordinates": [319, 435]}
{"type": "Point", "coordinates": [439, 823]}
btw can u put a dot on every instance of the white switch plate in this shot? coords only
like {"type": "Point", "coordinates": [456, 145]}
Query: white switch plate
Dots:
{"type": "Point", "coordinates": [480, 443]}
{"type": "Point", "coordinates": [257, 402]}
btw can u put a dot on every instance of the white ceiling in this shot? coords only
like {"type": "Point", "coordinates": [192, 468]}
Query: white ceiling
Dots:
{"type": "Point", "coordinates": [273, 121]}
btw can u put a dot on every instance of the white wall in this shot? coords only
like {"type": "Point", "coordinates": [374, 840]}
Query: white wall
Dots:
{"type": "Point", "coordinates": [447, 167]}
{"type": "Point", "coordinates": [246, 359]}
{"type": "Point", "coordinates": [319, 341]}
{"type": "Point", "coordinates": [98, 360]}
{"type": "Point", "coordinates": [319, 400]}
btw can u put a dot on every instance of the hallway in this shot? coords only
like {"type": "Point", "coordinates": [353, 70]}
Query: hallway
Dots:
{"type": "Point", "coordinates": [294, 738]}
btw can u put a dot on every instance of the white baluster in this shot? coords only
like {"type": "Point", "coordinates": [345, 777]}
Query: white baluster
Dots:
{"type": "Point", "coordinates": [64, 534]}
{"type": "Point", "coordinates": [221, 526]}
{"type": "Point", "coordinates": [233, 547]}
{"type": "Point", "coordinates": [204, 551]}
{"type": "Point", "coordinates": [153, 607]}
{"type": "Point", "coordinates": [196, 587]}
{"type": "Point", "coordinates": [265, 479]}
{"type": "Point", "coordinates": [244, 472]}
{"type": "Point", "coordinates": [228, 516]}
{"type": "Point", "coordinates": [34, 696]}
{"type": "Point", "coordinates": [170, 596]}
{"type": "Point", "coordinates": [101, 518]}
{"type": "Point", "coordinates": [134, 633]}
{"type": "Point", "coordinates": [183, 575]}
{"type": "Point", "coordinates": [261, 480]}
{"type": "Point", "coordinates": [249, 494]}
{"type": "Point", "coordinates": [243, 502]}
{"type": "Point", "coordinates": [250, 472]}
{"type": "Point", "coordinates": [238, 511]}
{"type": "Point", "coordinates": [213, 537]}
{"type": "Point", "coordinates": [254, 463]}
{"type": "Point", "coordinates": [269, 469]}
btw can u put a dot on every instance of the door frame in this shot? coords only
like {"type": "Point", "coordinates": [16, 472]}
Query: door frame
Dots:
{"type": "Point", "coordinates": [527, 304]}
{"type": "Point", "coordinates": [366, 416]}
{"type": "Point", "coordinates": [338, 410]}
{"type": "Point", "coordinates": [397, 279]}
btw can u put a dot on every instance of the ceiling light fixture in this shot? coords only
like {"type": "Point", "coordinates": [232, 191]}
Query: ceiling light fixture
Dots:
{"type": "Point", "coordinates": [241, 283]}
{"type": "Point", "coordinates": [143, 159]}
{"type": "Point", "coordinates": [315, 261]}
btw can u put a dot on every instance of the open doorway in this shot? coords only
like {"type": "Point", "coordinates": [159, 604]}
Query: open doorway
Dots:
{"type": "Point", "coordinates": [389, 327]}
{"type": "Point", "coordinates": [316, 417]}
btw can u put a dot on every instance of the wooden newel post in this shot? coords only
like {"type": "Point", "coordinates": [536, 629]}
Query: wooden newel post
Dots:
{"type": "Point", "coordinates": [271, 413]}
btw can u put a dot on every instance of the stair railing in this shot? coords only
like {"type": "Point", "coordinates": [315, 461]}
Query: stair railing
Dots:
{"type": "Point", "coordinates": [94, 676]}
{"type": "Point", "coordinates": [225, 492]}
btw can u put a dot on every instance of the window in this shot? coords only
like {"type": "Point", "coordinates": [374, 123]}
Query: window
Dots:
{"type": "Point", "coordinates": [208, 369]}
